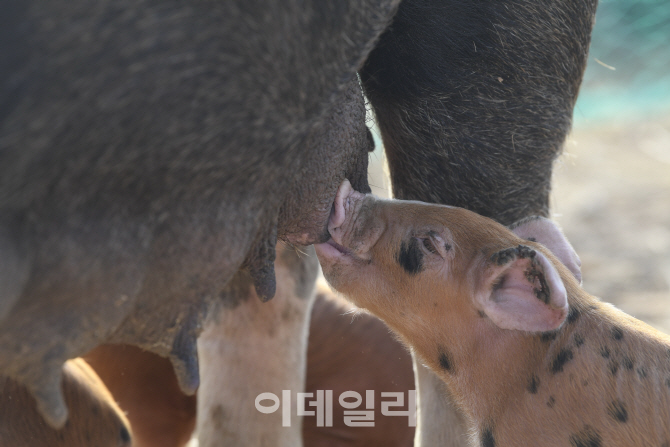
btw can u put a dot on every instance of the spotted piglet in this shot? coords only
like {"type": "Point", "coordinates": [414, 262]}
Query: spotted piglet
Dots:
{"type": "Point", "coordinates": [499, 315]}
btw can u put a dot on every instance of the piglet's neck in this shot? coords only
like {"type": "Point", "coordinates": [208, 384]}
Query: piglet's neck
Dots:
{"type": "Point", "coordinates": [490, 375]}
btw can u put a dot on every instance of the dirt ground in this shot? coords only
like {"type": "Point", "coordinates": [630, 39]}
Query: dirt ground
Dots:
{"type": "Point", "coordinates": [611, 195]}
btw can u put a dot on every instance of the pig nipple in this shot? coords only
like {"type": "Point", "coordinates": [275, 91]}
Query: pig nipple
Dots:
{"type": "Point", "coordinates": [338, 214]}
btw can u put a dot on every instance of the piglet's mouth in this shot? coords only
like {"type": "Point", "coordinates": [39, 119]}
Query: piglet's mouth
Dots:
{"type": "Point", "coordinates": [346, 206]}
{"type": "Point", "coordinates": [332, 250]}
{"type": "Point", "coordinates": [338, 247]}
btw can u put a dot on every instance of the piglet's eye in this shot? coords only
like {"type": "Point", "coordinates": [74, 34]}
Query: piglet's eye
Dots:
{"type": "Point", "coordinates": [428, 244]}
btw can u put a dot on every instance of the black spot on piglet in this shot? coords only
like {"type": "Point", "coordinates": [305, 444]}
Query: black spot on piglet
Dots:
{"type": "Point", "coordinates": [587, 437]}
{"type": "Point", "coordinates": [617, 333]}
{"type": "Point", "coordinates": [573, 315]}
{"type": "Point", "coordinates": [410, 256]}
{"type": "Point", "coordinates": [617, 410]}
{"type": "Point", "coordinates": [605, 352]}
{"type": "Point", "coordinates": [563, 357]}
{"type": "Point", "coordinates": [627, 362]}
{"type": "Point", "coordinates": [542, 292]}
{"type": "Point", "coordinates": [533, 384]}
{"type": "Point", "coordinates": [445, 360]}
{"type": "Point", "coordinates": [548, 336]}
{"type": "Point", "coordinates": [523, 251]}
{"type": "Point", "coordinates": [487, 438]}
{"type": "Point", "coordinates": [503, 256]}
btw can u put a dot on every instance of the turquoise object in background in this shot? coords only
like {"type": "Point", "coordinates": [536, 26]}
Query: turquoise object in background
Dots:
{"type": "Point", "coordinates": [633, 37]}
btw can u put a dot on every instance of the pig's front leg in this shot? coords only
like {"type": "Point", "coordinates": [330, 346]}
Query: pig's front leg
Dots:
{"type": "Point", "coordinates": [248, 348]}
{"type": "Point", "coordinates": [474, 100]}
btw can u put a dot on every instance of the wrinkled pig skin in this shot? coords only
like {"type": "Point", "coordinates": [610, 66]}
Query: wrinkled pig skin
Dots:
{"type": "Point", "coordinates": [146, 150]}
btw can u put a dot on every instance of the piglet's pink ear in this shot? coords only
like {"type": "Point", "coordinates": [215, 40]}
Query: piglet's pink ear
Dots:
{"type": "Point", "coordinates": [547, 233]}
{"type": "Point", "coordinates": [523, 291]}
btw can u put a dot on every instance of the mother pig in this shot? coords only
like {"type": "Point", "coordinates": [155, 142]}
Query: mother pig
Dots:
{"type": "Point", "coordinates": [150, 149]}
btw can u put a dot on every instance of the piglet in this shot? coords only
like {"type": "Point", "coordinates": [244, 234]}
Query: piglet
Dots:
{"type": "Point", "coordinates": [500, 316]}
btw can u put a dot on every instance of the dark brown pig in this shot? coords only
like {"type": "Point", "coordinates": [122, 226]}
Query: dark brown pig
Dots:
{"type": "Point", "coordinates": [148, 152]}
{"type": "Point", "coordinates": [151, 150]}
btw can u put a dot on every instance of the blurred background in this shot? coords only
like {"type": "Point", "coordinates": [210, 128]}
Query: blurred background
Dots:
{"type": "Point", "coordinates": [611, 190]}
